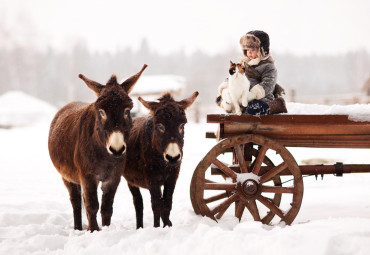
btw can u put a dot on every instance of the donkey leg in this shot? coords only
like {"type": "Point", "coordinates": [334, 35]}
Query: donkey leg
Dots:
{"type": "Point", "coordinates": [89, 188]}
{"type": "Point", "coordinates": [138, 203]}
{"type": "Point", "coordinates": [156, 194]}
{"type": "Point", "coordinates": [75, 197]}
{"type": "Point", "coordinates": [109, 189]}
{"type": "Point", "coordinates": [168, 190]}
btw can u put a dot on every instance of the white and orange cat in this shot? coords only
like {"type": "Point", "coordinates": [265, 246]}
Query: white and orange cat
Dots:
{"type": "Point", "coordinates": [235, 92]}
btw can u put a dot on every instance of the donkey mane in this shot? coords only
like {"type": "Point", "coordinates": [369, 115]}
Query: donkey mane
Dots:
{"type": "Point", "coordinates": [112, 80]}
{"type": "Point", "coordinates": [168, 108]}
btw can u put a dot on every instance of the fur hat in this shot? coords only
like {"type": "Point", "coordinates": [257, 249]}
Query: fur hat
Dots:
{"type": "Point", "coordinates": [256, 39]}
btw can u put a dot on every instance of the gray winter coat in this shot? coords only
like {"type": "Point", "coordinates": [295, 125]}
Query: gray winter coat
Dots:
{"type": "Point", "coordinates": [268, 73]}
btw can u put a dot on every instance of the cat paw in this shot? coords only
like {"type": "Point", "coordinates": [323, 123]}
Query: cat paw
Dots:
{"type": "Point", "coordinates": [238, 113]}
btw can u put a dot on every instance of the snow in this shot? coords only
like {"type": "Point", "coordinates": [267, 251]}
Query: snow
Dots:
{"type": "Point", "coordinates": [247, 176]}
{"type": "Point", "coordinates": [36, 215]}
{"type": "Point", "coordinates": [356, 112]}
{"type": "Point", "coordinates": [20, 109]}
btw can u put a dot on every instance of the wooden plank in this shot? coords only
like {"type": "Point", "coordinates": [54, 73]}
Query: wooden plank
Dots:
{"type": "Point", "coordinates": [298, 129]}
{"type": "Point", "coordinates": [318, 141]}
{"type": "Point", "coordinates": [309, 169]}
{"type": "Point", "coordinates": [327, 131]}
{"type": "Point", "coordinates": [283, 118]}
{"type": "Point", "coordinates": [211, 135]}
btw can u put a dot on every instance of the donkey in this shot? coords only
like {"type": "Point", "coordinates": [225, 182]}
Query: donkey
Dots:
{"type": "Point", "coordinates": [87, 145]}
{"type": "Point", "coordinates": [154, 155]}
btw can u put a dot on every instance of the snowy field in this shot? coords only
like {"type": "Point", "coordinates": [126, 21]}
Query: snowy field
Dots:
{"type": "Point", "coordinates": [36, 215]}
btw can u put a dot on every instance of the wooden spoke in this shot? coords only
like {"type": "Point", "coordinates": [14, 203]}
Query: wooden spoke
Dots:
{"type": "Point", "coordinates": [259, 160]}
{"type": "Point", "coordinates": [252, 207]}
{"type": "Point", "coordinates": [271, 206]}
{"type": "Point", "coordinates": [275, 189]}
{"type": "Point", "coordinates": [275, 171]}
{"type": "Point", "coordinates": [225, 169]}
{"type": "Point", "coordinates": [215, 198]}
{"type": "Point", "coordinates": [240, 156]}
{"type": "Point", "coordinates": [208, 181]}
{"type": "Point", "coordinates": [220, 186]}
{"type": "Point", "coordinates": [221, 208]}
{"type": "Point", "coordinates": [240, 209]}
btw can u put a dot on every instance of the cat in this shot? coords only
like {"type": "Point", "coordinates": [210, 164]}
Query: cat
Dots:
{"type": "Point", "coordinates": [224, 100]}
{"type": "Point", "coordinates": [237, 92]}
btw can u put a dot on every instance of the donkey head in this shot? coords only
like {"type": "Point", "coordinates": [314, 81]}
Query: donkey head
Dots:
{"type": "Point", "coordinates": [112, 111]}
{"type": "Point", "coordinates": [168, 120]}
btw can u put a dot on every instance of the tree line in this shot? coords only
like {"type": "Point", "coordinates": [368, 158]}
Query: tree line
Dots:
{"type": "Point", "coordinates": [51, 75]}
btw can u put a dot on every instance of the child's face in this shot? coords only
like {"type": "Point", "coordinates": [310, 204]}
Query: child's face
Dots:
{"type": "Point", "coordinates": [250, 53]}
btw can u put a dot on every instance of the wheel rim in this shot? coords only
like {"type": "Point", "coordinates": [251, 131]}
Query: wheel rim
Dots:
{"type": "Point", "coordinates": [251, 186]}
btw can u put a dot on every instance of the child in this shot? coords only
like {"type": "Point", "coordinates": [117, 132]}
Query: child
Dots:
{"type": "Point", "coordinates": [256, 50]}
{"type": "Point", "coordinates": [256, 54]}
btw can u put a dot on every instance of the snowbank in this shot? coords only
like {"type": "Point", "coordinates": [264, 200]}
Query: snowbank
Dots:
{"type": "Point", "coordinates": [19, 109]}
{"type": "Point", "coordinates": [36, 215]}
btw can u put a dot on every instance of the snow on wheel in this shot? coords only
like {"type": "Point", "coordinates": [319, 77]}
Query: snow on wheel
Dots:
{"type": "Point", "coordinates": [251, 181]}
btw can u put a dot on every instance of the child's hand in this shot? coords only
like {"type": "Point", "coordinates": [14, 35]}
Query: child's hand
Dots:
{"type": "Point", "coordinates": [251, 96]}
{"type": "Point", "coordinates": [258, 91]}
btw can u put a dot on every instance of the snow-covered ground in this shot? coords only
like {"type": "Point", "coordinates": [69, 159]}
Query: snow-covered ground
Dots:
{"type": "Point", "coordinates": [36, 215]}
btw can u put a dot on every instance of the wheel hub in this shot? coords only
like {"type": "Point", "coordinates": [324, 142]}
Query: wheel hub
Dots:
{"type": "Point", "coordinates": [250, 187]}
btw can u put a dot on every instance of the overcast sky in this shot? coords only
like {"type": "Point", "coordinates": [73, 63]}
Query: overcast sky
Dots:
{"type": "Point", "coordinates": [297, 27]}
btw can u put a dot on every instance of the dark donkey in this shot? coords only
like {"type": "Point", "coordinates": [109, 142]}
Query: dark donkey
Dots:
{"type": "Point", "coordinates": [87, 144]}
{"type": "Point", "coordinates": [154, 155]}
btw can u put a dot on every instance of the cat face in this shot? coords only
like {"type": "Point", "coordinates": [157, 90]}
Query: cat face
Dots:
{"type": "Point", "coordinates": [236, 68]}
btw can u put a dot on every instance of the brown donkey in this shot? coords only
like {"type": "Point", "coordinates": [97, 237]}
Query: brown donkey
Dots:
{"type": "Point", "coordinates": [154, 155]}
{"type": "Point", "coordinates": [87, 145]}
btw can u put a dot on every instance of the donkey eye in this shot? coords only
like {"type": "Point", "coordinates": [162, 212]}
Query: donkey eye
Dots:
{"type": "Point", "coordinates": [181, 128]}
{"type": "Point", "coordinates": [127, 112]}
{"type": "Point", "coordinates": [102, 113]}
{"type": "Point", "coordinates": [161, 128]}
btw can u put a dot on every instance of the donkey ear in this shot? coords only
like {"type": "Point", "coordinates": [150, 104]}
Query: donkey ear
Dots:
{"type": "Point", "coordinates": [185, 103]}
{"type": "Point", "coordinates": [149, 105]}
{"type": "Point", "coordinates": [93, 85]}
{"type": "Point", "coordinates": [128, 84]}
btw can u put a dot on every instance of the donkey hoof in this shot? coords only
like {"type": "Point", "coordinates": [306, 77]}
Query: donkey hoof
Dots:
{"type": "Point", "coordinates": [167, 224]}
{"type": "Point", "coordinates": [92, 229]}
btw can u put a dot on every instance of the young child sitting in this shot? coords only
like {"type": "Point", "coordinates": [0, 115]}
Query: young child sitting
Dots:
{"type": "Point", "coordinates": [256, 54]}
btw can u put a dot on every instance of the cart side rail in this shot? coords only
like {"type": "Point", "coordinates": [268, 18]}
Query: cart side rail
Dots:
{"type": "Point", "coordinates": [327, 131]}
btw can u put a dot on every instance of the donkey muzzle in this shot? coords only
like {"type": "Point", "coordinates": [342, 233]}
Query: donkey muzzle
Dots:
{"type": "Point", "coordinates": [172, 153]}
{"type": "Point", "coordinates": [116, 144]}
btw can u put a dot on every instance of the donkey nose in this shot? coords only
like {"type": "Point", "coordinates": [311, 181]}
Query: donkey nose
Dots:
{"type": "Point", "coordinates": [171, 159]}
{"type": "Point", "coordinates": [116, 144]}
{"type": "Point", "coordinates": [117, 152]}
{"type": "Point", "coordinates": [172, 153]}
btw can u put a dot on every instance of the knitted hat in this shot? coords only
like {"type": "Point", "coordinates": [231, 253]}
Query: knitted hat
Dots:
{"type": "Point", "coordinates": [256, 39]}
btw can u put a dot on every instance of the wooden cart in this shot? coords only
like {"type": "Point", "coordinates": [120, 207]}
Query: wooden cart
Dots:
{"type": "Point", "coordinates": [240, 168]}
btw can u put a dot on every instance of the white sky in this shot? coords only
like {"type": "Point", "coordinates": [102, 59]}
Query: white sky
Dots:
{"type": "Point", "coordinates": [297, 27]}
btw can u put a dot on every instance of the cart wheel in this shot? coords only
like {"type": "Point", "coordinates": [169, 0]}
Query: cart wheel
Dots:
{"type": "Point", "coordinates": [276, 181]}
{"type": "Point", "coordinates": [247, 186]}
